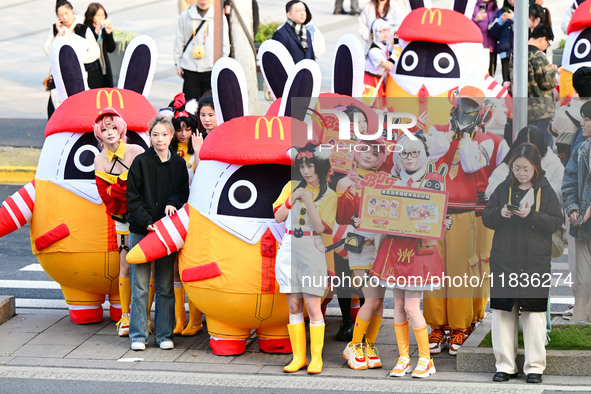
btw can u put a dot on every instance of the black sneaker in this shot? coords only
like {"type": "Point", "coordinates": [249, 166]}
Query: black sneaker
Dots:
{"type": "Point", "coordinates": [345, 333]}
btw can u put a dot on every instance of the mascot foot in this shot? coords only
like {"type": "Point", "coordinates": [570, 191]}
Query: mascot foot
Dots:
{"type": "Point", "coordinates": [281, 345]}
{"type": "Point", "coordinates": [227, 347]}
{"type": "Point", "coordinates": [86, 314]}
{"type": "Point", "coordinates": [115, 312]}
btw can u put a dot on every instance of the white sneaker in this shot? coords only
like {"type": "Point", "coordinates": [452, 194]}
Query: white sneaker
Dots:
{"type": "Point", "coordinates": [166, 344]}
{"type": "Point", "coordinates": [138, 346]}
{"type": "Point", "coordinates": [424, 368]}
{"type": "Point", "coordinates": [355, 356]}
{"type": "Point", "coordinates": [402, 367]}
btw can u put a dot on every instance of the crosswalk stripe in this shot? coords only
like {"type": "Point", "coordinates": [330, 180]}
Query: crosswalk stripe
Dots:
{"type": "Point", "coordinates": [32, 267]}
{"type": "Point", "coordinates": [29, 284]}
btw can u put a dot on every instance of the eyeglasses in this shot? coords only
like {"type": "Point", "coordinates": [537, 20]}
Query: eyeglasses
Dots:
{"type": "Point", "coordinates": [413, 154]}
{"type": "Point", "coordinates": [524, 170]}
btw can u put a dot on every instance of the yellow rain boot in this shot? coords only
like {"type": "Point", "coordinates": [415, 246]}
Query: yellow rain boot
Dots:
{"type": "Point", "coordinates": [179, 310]}
{"type": "Point", "coordinates": [195, 325]}
{"type": "Point", "coordinates": [297, 337]}
{"type": "Point", "coordinates": [316, 345]}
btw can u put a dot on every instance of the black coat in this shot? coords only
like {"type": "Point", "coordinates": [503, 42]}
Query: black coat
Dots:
{"type": "Point", "coordinates": [288, 37]}
{"type": "Point", "coordinates": [152, 185]}
{"type": "Point", "coordinates": [522, 247]}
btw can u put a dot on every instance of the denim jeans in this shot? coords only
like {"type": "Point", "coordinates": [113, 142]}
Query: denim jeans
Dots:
{"type": "Point", "coordinates": [140, 283]}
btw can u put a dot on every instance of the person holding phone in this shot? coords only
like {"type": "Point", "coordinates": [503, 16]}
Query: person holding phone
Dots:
{"type": "Point", "coordinates": [80, 37]}
{"type": "Point", "coordinates": [501, 29]}
{"type": "Point", "coordinates": [522, 249]}
{"type": "Point", "coordinates": [484, 13]}
{"type": "Point", "coordinates": [95, 17]}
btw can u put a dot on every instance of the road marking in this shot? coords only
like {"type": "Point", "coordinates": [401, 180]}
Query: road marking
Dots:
{"type": "Point", "coordinates": [29, 284]}
{"type": "Point", "coordinates": [32, 267]}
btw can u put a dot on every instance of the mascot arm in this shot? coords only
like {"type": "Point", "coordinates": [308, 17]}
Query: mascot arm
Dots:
{"type": "Point", "coordinates": [17, 210]}
{"type": "Point", "coordinates": [169, 237]}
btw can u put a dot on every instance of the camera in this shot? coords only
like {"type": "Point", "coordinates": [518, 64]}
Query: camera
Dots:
{"type": "Point", "coordinates": [198, 52]}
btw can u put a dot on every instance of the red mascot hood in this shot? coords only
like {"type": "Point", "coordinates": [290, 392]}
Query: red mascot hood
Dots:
{"type": "Point", "coordinates": [78, 112]}
{"type": "Point", "coordinates": [439, 25]}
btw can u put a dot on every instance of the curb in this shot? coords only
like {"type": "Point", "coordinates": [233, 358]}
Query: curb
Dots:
{"type": "Point", "coordinates": [17, 175]}
{"type": "Point", "coordinates": [7, 308]}
{"type": "Point", "coordinates": [471, 358]}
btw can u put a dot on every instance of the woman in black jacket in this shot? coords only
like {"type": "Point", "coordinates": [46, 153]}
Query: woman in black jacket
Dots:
{"type": "Point", "coordinates": [524, 212]}
{"type": "Point", "coordinates": [157, 185]}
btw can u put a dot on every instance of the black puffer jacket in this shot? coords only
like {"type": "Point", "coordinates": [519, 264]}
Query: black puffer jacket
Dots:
{"type": "Point", "coordinates": [522, 247]}
{"type": "Point", "coordinates": [152, 185]}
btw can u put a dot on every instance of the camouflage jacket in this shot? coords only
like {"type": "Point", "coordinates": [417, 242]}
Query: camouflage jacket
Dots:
{"type": "Point", "coordinates": [541, 81]}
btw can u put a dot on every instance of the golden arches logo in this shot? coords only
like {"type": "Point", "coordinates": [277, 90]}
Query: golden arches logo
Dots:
{"type": "Point", "coordinates": [109, 96]}
{"type": "Point", "coordinates": [432, 13]}
{"type": "Point", "coordinates": [269, 124]}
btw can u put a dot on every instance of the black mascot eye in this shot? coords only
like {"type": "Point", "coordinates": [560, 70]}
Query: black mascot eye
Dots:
{"type": "Point", "coordinates": [428, 59]}
{"type": "Point", "coordinates": [409, 61]}
{"type": "Point", "coordinates": [252, 190]}
{"type": "Point", "coordinates": [581, 51]}
{"type": "Point", "coordinates": [80, 161]}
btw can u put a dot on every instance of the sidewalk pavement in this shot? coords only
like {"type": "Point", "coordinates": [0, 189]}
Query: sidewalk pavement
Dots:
{"type": "Point", "coordinates": [47, 338]}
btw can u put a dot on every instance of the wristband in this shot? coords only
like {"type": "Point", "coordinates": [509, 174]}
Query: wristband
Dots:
{"type": "Point", "coordinates": [287, 204]}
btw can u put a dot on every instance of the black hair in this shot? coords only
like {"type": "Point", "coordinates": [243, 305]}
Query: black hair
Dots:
{"type": "Point", "coordinates": [582, 81]}
{"type": "Point", "coordinates": [532, 135]}
{"type": "Point", "coordinates": [537, 11]}
{"type": "Point", "coordinates": [351, 110]}
{"type": "Point", "coordinates": [91, 12]}
{"type": "Point", "coordinates": [61, 3]}
{"type": "Point", "coordinates": [506, 4]}
{"type": "Point", "coordinates": [530, 153]}
{"type": "Point", "coordinates": [191, 122]}
{"type": "Point", "coordinates": [542, 30]}
{"type": "Point", "coordinates": [586, 110]}
{"type": "Point", "coordinates": [321, 167]}
{"type": "Point", "coordinates": [204, 101]}
{"type": "Point", "coordinates": [291, 3]}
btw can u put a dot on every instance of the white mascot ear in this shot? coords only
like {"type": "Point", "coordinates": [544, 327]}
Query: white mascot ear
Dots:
{"type": "Point", "coordinates": [348, 67]}
{"type": "Point", "coordinates": [139, 65]}
{"type": "Point", "coordinates": [465, 7]}
{"type": "Point", "coordinates": [67, 69]}
{"type": "Point", "coordinates": [275, 62]}
{"type": "Point", "coordinates": [414, 4]}
{"type": "Point", "coordinates": [301, 90]}
{"type": "Point", "coordinates": [228, 85]}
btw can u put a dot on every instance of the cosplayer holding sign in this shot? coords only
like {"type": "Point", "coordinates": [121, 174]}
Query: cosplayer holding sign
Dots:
{"type": "Point", "coordinates": [369, 156]}
{"type": "Point", "coordinates": [411, 265]}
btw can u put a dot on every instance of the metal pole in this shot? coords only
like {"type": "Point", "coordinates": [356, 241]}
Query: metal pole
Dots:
{"type": "Point", "coordinates": [520, 65]}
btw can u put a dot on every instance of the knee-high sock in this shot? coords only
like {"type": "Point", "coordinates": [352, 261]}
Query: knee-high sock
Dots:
{"type": "Point", "coordinates": [401, 330]}
{"type": "Point", "coordinates": [422, 337]}
{"type": "Point", "coordinates": [125, 294]}
{"type": "Point", "coordinates": [373, 329]}
{"type": "Point", "coordinates": [359, 330]}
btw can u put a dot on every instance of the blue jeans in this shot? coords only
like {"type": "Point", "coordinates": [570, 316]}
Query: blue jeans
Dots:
{"type": "Point", "coordinates": [140, 283]}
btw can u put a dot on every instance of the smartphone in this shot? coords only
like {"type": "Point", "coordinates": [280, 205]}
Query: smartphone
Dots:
{"type": "Point", "coordinates": [482, 7]}
{"type": "Point", "coordinates": [506, 9]}
{"type": "Point", "coordinates": [579, 221]}
{"type": "Point", "coordinates": [513, 207]}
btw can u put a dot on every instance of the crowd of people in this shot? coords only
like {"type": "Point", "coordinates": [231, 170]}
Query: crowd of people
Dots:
{"type": "Point", "coordinates": [505, 203]}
